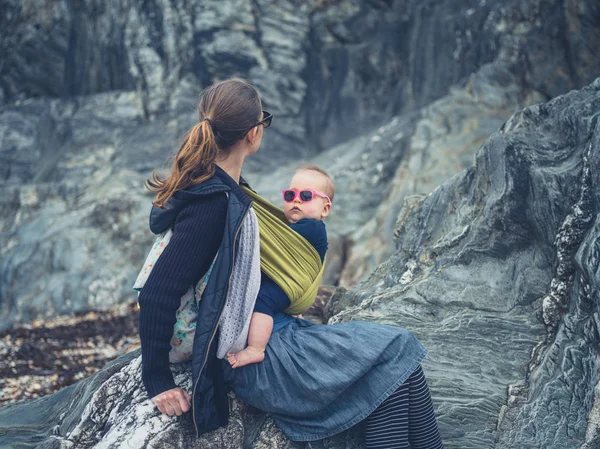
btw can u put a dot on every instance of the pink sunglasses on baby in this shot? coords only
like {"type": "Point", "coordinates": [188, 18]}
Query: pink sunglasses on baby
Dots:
{"type": "Point", "coordinates": [305, 195]}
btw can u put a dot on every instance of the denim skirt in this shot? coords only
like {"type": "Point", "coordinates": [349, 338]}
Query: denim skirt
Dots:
{"type": "Point", "coordinates": [317, 380]}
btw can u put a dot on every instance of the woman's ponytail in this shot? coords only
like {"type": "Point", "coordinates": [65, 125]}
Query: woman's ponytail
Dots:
{"type": "Point", "coordinates": [227, 111]}
{"type": "Point", "coordinates": [193, 163]}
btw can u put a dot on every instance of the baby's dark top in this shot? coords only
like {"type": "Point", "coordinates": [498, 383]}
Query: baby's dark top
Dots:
{"type": "Point", "coordinates": [271, 298]}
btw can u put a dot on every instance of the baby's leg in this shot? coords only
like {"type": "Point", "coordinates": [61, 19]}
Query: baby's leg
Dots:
{"type": "Point", "coordinates": [261, 326]}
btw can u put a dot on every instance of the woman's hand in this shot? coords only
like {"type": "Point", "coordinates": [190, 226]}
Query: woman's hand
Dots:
{"type": "Point", "coordinates": [173, 402]}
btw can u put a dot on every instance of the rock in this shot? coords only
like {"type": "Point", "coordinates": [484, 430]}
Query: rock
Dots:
{"type": "Point", "coordinates": [441, 145]}
{"type": "Point", "coordinates": [329, 70]}
{"type": "Point", "coordinates": [111, 409]}
{"type": "Point", "coordinates": [317, 312]}
{"type": "Point", "coordinates": [73, 237]}
{"type": "Point", "coordinates": [496, 272]}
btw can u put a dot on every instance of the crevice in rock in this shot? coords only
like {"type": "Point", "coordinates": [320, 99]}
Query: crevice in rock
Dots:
{"type": "Point", "coordinates": [256, 12]}
{"type": "Point", "coordinates": [344, 257]}
{"type": "Point", "coordinates": [153, 15]}
{"type": "Point", "coordinates": [567, 241]}
{"type": "Point", "coordinates": [77, 32]}
{"type": "Point", "coordinates": [311, 115]}
{"type": "Point", "coordinates": [592, 435]}
{"type": "Point", "coordinates": [142, 88]}
{"type": "Point", "coordinates": [198, 64]}
{"type": "Point", "coordinates": [568, 52]}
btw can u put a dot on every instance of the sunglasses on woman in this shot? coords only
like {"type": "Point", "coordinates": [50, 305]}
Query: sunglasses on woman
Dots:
{"type": "Point", "coordinates": [266, 120]}
{"type": "Point", "coordinates": [305, 196]}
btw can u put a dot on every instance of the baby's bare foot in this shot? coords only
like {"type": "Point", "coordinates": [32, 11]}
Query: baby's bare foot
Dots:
{"type": "Point", "coordinates": [231, 359]}
{"type": "Point", "coordinates": [245, 357]}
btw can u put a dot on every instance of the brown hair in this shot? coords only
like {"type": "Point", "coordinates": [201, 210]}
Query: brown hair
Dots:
{"type": "Point", "coordinates": [227, 111]}
{"type": "Point", "coordinates": [329, 186]}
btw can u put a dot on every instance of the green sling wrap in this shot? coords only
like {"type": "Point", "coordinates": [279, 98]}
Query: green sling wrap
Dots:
{"type": "Point", "coordinates": [287, 257]}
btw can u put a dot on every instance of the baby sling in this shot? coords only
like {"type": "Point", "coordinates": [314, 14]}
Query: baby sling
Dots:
{"type": "Point", "coordinates": [285, 256]}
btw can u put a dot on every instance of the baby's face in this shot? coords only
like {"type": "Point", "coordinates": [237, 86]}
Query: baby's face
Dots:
{"type": "Point", "coordinates": [318, 207]}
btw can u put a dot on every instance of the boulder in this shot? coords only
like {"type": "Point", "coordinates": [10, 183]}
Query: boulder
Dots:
{"type": "Point", "coordinates": [496, 271]}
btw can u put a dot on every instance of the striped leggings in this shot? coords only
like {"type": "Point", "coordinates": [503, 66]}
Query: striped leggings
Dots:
{"type": "Point", "coordinates": [405, 419]}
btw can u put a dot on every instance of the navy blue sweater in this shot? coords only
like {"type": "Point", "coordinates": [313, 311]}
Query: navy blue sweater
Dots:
{"type": "Point", "coordinates": [197, 233]}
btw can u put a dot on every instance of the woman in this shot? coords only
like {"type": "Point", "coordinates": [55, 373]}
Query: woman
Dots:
{"type": "Point", "coordinates": [316, 380]}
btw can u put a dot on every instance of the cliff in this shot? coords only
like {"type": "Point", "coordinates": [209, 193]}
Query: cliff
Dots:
{"type": "Point", "coordinates": [394, 96]}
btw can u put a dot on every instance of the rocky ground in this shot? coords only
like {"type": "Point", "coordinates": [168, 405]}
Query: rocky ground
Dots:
{"type": "Point", "coordinates": [41, 357]}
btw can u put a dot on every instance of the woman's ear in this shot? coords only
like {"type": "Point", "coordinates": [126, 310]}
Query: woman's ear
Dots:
{"type": "Point", "coordinates": [252, 135]}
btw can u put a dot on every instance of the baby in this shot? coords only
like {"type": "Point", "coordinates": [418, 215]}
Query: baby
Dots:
{"type": "Point", "coordinates": [306, 203]}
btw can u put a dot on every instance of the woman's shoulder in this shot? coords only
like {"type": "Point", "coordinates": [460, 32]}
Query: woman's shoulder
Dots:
{"type": "Point", "coordinates": [206, 203]}
{"type": "Point", "coordinates": [187, 208]}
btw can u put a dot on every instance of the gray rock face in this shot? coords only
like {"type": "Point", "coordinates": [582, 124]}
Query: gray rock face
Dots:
{"type": "Point", "coordinates": [62, 231]}
{"type": "Point", "coordinates": [439, 145]}
{"type": "Point", "coordinates": [497, 272]}
{"type": "Point", "coordinates": [330, 70]}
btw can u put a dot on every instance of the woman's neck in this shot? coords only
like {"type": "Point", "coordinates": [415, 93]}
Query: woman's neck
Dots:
{"type": "Point", "coordinates": [233, 166]}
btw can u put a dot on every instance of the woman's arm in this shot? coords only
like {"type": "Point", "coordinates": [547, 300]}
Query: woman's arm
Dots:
{"type": "Point", "coordinates": [197, 234]}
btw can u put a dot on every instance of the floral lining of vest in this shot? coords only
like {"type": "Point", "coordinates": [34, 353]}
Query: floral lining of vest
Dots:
{"type": "Point", "coordinates": [182, 341]}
